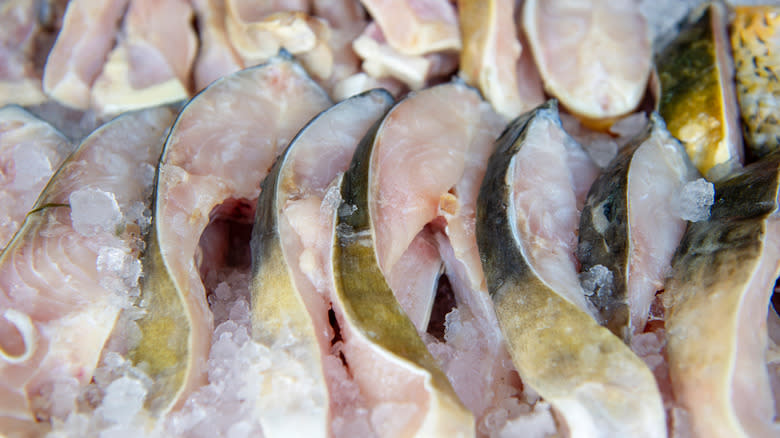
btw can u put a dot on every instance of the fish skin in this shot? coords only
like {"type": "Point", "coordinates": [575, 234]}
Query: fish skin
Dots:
{"type": "Point", "coordinates": [605, 232]}
{"type": "Point", "coordinates": [279, 308]}
{"type": "Point", "coordinates": [78, 311]}
{"type": "Point", "coordinates": [20, 130]}
{"type": "Point", "coordinates": [714, 269]}
{"type": "Point", "coordinates": [697, 97]}
{"type": "Point", "coordinates": [596, 383]}
{"type": "Point", "coordinates": [177, 323]}
{"type": "Point", "coordinates": [370, 306]}
{"type": "Point", "coordinates": [755, 43]}
{"type": "Point", "coordinates": [609, 245]}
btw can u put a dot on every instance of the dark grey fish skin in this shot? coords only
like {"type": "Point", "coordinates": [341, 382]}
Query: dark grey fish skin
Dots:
{"type": "Point", "coordinates": [604, 236]}
{"type": "Point", "coordinates": [605, 233]}
{"type": "Point", "coordinates": [716, 304]}
{"type": "Point", "coordinates": [597, 384]}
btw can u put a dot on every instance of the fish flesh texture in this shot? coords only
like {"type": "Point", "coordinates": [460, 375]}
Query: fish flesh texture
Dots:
{"type": "Point", "coordinates": [526, 232]}
{"type": "Point", "coordinates": [60, 293]}
{"type": "Point", "coordinates": [30, 151]}
{"type": "Point", "coordinates": [292, 281]}
{"type": "Point", "coordinates": [219, 150]}
{"type": "Point", "coordinates": [716, 301]}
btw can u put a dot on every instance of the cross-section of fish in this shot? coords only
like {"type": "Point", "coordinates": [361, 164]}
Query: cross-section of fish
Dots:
{"type": "Point", "coordinates": [30, 151]}
{"type": "Point", "coordinates": [88, 32]}
{"type": "Point", "coordinates": [219, 150]}
{"type": "Point", "coordinates": [491, 57]}
{"type": "Point", "coordinates": [716, 302]}
{"type": "Point", "coordinates": [373, 230]}
{"type": "Point", "coordinates": [593, 55]}
{"type": "Point", "coordinates": [414, 27]}
{"type": "Point", "coordinates": [58, 300]}
{"type": "Point", "coordinates": [424, 183]}
{"type": "Point", "coordinates": [631, 226]}
{"type": "Point", "coordinates": [697, 98]}
{"type": "Point", "coordinates": [28, 32]}
{"type": "Point", "coordinates": [151, 62]}
{"type": "Point", "coordinates": [292, 283]}
{"type": "Point", "coordinates": [755, 43]}
{"type": "Point", "coordinates": [526, 231]}
{"type": "Point", "coordinates": [216, 57]}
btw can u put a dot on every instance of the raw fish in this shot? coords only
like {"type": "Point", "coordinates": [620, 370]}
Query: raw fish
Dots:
{"type": "Point", "coordinates": [292, 282]}
{"type": "Point", "coordinates": [219, 150]}
{"type": "Point", "coordinates": [716, 308]}
{"type": "Point", "coordinates": [526, 224]}
{"type": "Point", "coordinates": [59, 296]}
{"type": "Point", "coordinates": [30, 151]}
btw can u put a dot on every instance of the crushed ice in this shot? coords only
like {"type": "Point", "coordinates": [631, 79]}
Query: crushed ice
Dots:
{"type": "Point", "coordinates": [695, 200]}
{"type": "Point", "coordinates": [598, 280]}
{"type": "Point", "coordinates": [94, 211]}
{"type": "Point", "coordinates": [31, 167]}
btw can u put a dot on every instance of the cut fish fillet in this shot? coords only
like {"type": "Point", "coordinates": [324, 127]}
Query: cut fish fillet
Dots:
{"type": "Point", "coordinates": [416, 27]}
{"type": "Point", "coordinates": [526, 224]}
{"type": "Point", "coordinates": [292, 283]}
{"type": "Point", "coordinates": [23, 41]}
{"type": "Point", "coordinates": [219, 150]}
{"type": "Point", "coordinates": [216, 57]}
{"type": "Point", "coordinates": [56, 305]}
{"type": "Point", "coordinates": [30, 151]}
{"type": "Point", "coordinates": [593, 55]}
{"type": "Point", "coordinates": [631, 227]}
{"type": "Point", "coordinates": [717, 340]}
{"type": "Point", "coordinates": [697, 97]}
{"type": "Point", "coordinates": [152, 60]}
{"type": "Point", "coordinates": [491, 57]}
{"type": "Point", "coordinates": [380, 60]}
{"type": "Point", "coordinates": [384, 340]}
{"type": "Point", "coordinates": [755, 43]}
{"type": "Point", "coordinates": [88, 33]}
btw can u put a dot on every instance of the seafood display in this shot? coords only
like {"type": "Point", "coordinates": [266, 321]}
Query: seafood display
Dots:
{"type": "Point", "coordinates": [628, 229]}
{"type": "Point", "coordinates": [592, 379]}
{"type": "Point", "coordinates": [49, 308]}
{"type": "Point", "coordinates": [735, 254]}
{"type": "Point", "coordinates": [365, 218]}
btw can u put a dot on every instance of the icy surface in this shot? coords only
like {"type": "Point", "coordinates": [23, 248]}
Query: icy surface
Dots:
{"type": "Point", "coordinates": [237, 366]}
{"type": "Point", "coordinates": [120, 271]}
{"type": "Point", "coordinates": [597, 280]}
{"type": "Point", "coordinates": [31, 167]}
{"type": "Point", "coordinates": [514, 411]}
{"type": "Point", "coordinates": [694, 201]}
{"type": "Point", "coordinates": [124, 399]}
{"type": "Point", "coordinates": [93, 211]}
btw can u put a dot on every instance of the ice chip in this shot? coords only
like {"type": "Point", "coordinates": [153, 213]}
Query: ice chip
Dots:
{"type": "Point", "coordinates": [120, 271]}
{"type": "Point", "coordinates": [93, 211]}
{"type": "Point", "coordinates": [597, 280]}
{"type": "Point", "coordinates": [242, 429]}
{"type": "Point", "coordinates": [123, 400]}
{"type": "Point", "coordinates": [31, 166]}
{"type": "Point", "coordinates": [694, 201]}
